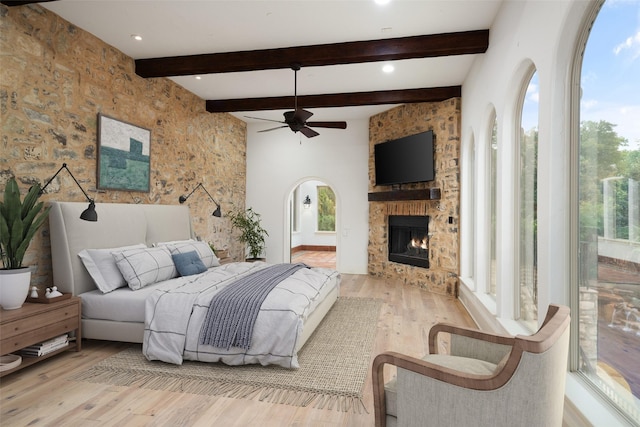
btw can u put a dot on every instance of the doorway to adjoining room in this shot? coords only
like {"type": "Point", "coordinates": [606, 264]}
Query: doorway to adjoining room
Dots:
{"type": "Point", "coordinates": [312, 207]}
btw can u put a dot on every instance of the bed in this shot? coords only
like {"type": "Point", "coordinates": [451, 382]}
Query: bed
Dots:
{"type": "Point", "coordinates": [123, 314]}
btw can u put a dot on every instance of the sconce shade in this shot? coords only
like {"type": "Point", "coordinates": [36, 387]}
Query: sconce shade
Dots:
{"type": "Point", "coordinates": [307, 201]}
{"type": "Point", "coordinates": [88, 214]}
{"type": "Point", "coordinates": [216, 213]}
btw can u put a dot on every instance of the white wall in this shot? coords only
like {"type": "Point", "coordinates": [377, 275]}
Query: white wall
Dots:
{"type": "Point", "coordinates": [545, 34]}
{"type": "Point", "coordinates": [517, 40]}
{"type": "Point", "coordinates": [277, 162]}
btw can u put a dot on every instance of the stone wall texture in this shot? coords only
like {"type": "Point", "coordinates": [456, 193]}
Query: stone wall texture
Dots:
{"type": "Point", "coordinates": [443, 118]}
{"type": "Point", "coordinates": [54, 80]}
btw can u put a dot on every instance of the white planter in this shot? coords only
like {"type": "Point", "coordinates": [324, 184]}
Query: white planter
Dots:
{"type": "Point", "coordinates": [14, 287]}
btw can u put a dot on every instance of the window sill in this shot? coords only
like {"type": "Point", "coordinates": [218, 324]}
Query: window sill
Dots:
{"type": "Point", "coordinates": [583, 407]}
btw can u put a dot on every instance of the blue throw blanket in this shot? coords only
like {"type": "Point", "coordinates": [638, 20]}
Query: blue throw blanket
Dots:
{"type": "Point", "coordinates": [233, 311]}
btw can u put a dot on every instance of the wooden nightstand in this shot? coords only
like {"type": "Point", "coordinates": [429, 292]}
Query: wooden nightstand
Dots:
{"type": "Point", "coordinates": [35, 323]}
{"type": "Point", "coordinates": [223, 256]}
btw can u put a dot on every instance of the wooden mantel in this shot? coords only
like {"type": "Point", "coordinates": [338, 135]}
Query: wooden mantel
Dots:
{"type": "Point", "coordinates": [399, 195]}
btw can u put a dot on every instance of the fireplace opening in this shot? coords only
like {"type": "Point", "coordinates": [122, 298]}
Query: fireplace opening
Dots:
{"type": "Point", "coordinates": [409, 240]}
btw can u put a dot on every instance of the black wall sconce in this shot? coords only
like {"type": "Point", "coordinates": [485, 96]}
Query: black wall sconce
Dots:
{"type": "Point", "coordinates": [216, 213]}
{"type": "Point", "coordinates": [307, 202]}
{"type": "Point", "coordinates": [88, 214]}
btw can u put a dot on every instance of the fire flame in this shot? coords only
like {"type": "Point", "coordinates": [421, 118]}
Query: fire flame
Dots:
{"type": "Point", "coordinates": [419, 243]}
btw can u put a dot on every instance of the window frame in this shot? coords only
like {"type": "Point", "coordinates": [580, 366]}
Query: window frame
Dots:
{"type": "Point", "coordinates": [595, 394]}
{"type": "Point", "coordinates": [527, 78]}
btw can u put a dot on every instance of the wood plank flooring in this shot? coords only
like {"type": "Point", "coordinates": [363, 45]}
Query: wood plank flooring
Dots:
{"type": "Point", "coordinates": [41, 395]}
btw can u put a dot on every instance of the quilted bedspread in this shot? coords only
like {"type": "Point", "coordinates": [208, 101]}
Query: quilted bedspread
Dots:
{"type": "Point", "coordinates": [175, 312]}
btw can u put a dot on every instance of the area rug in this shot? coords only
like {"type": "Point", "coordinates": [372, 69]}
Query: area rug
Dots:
{"type": "Point", "coordinates": [334, 364]}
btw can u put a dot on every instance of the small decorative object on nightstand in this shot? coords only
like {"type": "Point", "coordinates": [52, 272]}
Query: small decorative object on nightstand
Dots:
{"type": "Point", "coordinates": [54, 292]}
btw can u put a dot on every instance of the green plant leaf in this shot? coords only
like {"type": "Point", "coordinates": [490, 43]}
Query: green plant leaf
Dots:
{"type": "Point", "coordinates": [19, 222]}
{"type": "Point", "coordinates": [30, 200]}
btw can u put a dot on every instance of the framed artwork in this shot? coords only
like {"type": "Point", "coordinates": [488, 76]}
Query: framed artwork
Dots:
{"type": "Point", "coordinates": [123, 155]}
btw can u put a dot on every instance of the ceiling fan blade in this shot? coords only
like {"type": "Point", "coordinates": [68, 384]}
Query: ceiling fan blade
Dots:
{"type": "Point", "coordinates": [269, 130]}
{"type": "Point", "coordinates": [268, 120]}
{"type": "Point", "coordinates": [302, 115]}
{"type": "Point", "coordinates": [332, 125]}
{"type": "Point", "coordinates": [308, 132]}
{"type": "Point", "coordinates": [297, 116]}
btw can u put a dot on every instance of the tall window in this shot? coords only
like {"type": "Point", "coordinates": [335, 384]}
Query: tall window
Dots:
{"type": "Point", "coordinates": [326, 209]}
{"type": "Point", "coordinates": [473, 207]}
{"type": "Point", "coordinates": [528, 224]}
{"type": "Point", "coordinates": [609, 207]}
{"type": "Point", "coordinates": [493, 168]}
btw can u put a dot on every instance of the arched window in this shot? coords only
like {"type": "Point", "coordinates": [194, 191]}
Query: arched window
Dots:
{"type": "Point", "coordinates": [608, 207]}
{"type": "Point", "coordinates": [469, 209]}
{"type": "Point", "coordinates": [493, 182]}
{"type": "Point", "coordinates": [528, 206]}
{"type": "Point", "coordinates": [326, 208]}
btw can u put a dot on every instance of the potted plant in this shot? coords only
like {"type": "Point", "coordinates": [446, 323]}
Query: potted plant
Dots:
{"type": "Point", "coordinates": [251, 232]}
{"type": "Point", "coordinates": [19, 221]}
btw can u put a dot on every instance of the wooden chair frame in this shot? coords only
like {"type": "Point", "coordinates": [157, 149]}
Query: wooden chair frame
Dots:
{"type": "Point", "coordinates": [556, 321]}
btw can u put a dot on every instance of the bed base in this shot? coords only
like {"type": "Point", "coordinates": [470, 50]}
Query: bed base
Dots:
{"type": "Point", "coordinates": [111, 330]}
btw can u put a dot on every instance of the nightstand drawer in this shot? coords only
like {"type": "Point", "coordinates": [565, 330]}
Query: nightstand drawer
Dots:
{"type": "Point", "coordinates": [28, 325]}
{"type": "Point", "coordinates": [9, 345]}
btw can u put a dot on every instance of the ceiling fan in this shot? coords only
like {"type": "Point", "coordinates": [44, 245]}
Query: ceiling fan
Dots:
{"type": "Point", "coordinates": [296, 120]}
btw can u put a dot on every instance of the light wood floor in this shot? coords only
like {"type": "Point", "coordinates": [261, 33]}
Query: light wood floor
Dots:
{"type": "Point", "coordinates": [41, 395]}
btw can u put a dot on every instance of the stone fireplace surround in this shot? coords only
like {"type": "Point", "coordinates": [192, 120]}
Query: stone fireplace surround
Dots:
{"type": "Point", "coordinates": [444, 119]}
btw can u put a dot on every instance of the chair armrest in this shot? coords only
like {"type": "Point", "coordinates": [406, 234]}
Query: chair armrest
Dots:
{"type": "Point", "coordinates": [466, 342]}
{"type": "Point", "coordinates": [435, 372]}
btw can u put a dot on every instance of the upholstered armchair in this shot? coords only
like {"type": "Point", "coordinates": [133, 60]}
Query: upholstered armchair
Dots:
{"type": "Point", "coordinates": [486, 380]}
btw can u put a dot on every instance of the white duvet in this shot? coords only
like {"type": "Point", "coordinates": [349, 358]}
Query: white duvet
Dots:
{"type": "Point", "coordinates": [174, 313]}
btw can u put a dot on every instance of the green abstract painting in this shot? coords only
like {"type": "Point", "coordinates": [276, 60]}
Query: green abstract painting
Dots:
{"type": "Point", "coordinates": [123, 155]}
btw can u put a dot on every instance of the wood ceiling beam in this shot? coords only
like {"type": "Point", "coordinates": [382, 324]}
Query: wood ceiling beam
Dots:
{"type": "Point", "coordinates": [22, 3]}
{"type": "Point", "coordinates": [404, 96]}
{"type": "Point", "coordinates": [459, 43]}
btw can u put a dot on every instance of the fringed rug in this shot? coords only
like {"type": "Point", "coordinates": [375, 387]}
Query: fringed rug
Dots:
{"type": "Point", "coordinates": [334, 364]}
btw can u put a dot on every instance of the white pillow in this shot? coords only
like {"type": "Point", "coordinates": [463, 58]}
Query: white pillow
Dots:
{"type": "Point", "coordinates": [142, 267]}
{"type": "Point", "coordinates": [208, 257]}
{"type": "Point", "coordinates": [173, 242]}
{"type": "Point", "coordinates": [102, 267]}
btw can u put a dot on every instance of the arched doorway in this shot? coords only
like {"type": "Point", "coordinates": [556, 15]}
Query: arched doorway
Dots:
{"type": "Point", "coordinates": [312, 228]}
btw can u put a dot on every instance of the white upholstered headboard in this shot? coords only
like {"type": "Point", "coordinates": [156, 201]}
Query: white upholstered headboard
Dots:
{"type": "Point", "coordinates": [118, 225]}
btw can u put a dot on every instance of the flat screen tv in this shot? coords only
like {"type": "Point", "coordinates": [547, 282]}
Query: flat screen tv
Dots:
{"type": "Point", "coordinates": [405, 160]}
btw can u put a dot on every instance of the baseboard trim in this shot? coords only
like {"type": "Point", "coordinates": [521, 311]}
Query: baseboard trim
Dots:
{"type": "Point", "coordinates": [318, 248]}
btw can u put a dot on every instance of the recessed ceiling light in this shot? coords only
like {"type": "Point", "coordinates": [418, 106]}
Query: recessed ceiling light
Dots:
{"type": "Point", "coordinates": [198, 78]}
{"type": "Point", "coordinates": [136, 37]}
{"type": "Point", "coordinates": [388, 68]}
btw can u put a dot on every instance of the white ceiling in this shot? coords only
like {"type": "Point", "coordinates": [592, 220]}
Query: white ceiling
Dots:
{"type": "Point", "coordinates": [185, 27]}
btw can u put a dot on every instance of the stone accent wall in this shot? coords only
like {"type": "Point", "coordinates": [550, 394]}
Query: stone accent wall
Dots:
{"type": "Point", "coordinates": [444, 119]}
{"type": "Point", "coordinates": [54, 80]}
